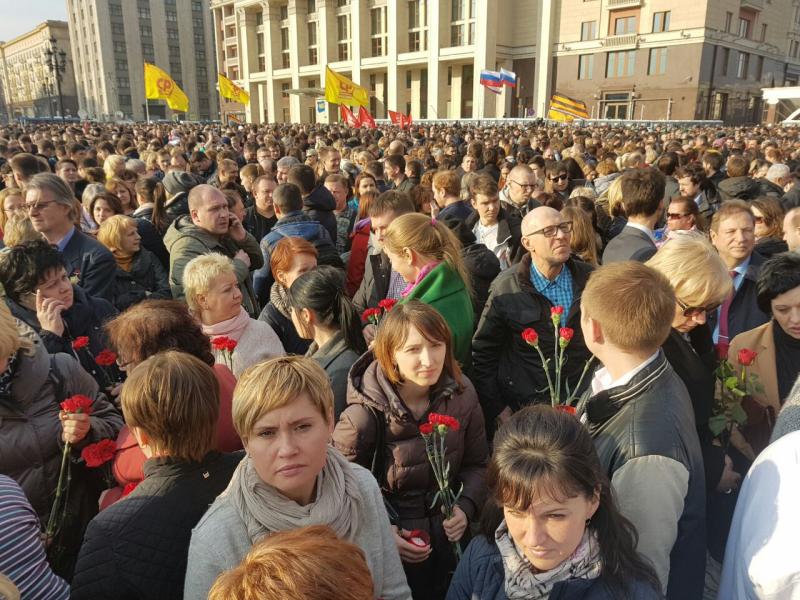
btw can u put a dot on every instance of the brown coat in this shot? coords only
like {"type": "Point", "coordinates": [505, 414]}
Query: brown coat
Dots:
{"type": "Point", "coordinates": [761, 414]}
{"type": "Point", "coordinates": [409, 481]}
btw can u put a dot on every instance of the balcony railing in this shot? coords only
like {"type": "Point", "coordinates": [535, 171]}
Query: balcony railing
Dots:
{"type": "Point", "coordinates": [625, 3]}
{"type": "Point", "coordinates": [617, 41]}
{"type": "Point", "coordinates": [753, 4]}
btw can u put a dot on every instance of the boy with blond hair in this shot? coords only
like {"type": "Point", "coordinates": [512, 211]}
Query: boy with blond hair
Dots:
{"type": "Point", "coordinates": [641, 418]}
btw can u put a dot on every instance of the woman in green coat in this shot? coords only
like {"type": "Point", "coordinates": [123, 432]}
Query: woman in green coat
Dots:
{"type": "Point", "coordinates": [428, 257]}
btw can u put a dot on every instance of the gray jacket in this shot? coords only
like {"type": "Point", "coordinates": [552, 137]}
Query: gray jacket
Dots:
{"type": "Point", "coordinates": [336, 358]}
{"type": "Point", "coordinates": [630, 244]}
{"type": "Point", "coordinates": [220, 541]}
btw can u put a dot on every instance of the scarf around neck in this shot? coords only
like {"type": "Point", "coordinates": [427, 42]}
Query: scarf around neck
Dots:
{"type": "Point", "coordinates": [420, 276]}
{"type": "Point", "coordinates": [522, 583]}
{"type": "Point", "coordinates": [338, 502]}
{"type": "Point", "coordinates": [124, 259]}
{"type": "Point", "coordinates": [279, 297]}
{"type": "Point", "coordinates": [232, 328]}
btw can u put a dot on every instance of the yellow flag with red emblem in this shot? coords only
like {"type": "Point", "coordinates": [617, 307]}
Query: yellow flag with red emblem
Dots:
{"type": "Point", "coordinates": [159, 85]}
{"type": "Point", "coordinates": [340, 90]}
{"type": "Point", "coordinates": [231, 91]}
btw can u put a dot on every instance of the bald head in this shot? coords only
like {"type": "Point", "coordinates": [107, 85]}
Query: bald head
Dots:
{"type": "Point", "coordinates": [544, 237]}
{"type": "Point", "coordinates": [791, 229]}
{"type": "Point", "coordinates": [199, 194]}
{"type": "Point", "coordinates": [520, 184]}
{"type": "Point", "coordinates": [539, 218]}
{"type": "Point", "coordinates": [208, 209]}
{"type": "Point", "coordinates": [396, 147]}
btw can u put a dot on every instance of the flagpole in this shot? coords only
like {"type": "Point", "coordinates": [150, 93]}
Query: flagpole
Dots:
{"type": "Point", "coordinates": [146, 101]}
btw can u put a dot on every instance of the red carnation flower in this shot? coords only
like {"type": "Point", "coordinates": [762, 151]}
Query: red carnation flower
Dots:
{"type": "Point", "coordinates": [80, 342]}
{"type": "Point", "coordinates": [426, 428]}
{"type": "Point", "coordinates": [567, 409]}
{"type": "Point", "coordinates": [387, 304]}
{"type": "Point", "coordinates": [100, 453]}
{"type": "Point", "coordinates": [105, 358]}
{"type": "Point", "coordinates": [370, 314]}
{"type": "Point", "coordinates": [746, 357]}
{"type": "Point", "coordinates": [222, 342]}
{"type": "Point", "coordinates": [129, 487]}
{"type": "Point", "coordinates": [78, 404]}
{"type": "Point", "coordinates": [530, 336]}
{"type": "Point", "coordinates": [566, 333]}
{"type": "Point", "coordinates": [557, 310]}
{"type": "Point", "coordinates": [452, 423]}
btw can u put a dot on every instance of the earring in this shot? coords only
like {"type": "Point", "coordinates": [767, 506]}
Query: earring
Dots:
{"type": "Point", "coordinates": [588, 522]}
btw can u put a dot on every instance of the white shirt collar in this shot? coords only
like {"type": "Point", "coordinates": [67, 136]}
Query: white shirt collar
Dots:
{"type": "Point", "coordinates": [602, 380]}
{"type": "Point", "coordinates": [642, 228]}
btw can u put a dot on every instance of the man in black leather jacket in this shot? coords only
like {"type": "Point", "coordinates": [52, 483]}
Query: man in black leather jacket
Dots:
{"type": "Point", "coordinates": [641, 418]}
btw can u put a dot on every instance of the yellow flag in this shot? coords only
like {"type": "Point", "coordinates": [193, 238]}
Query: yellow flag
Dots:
{"type": "Point", "coordinates": [158, 84]}
{"type": "Point", "coordinates": [231, 91]}
{"type": "Point", "coordinates": [340, 90]}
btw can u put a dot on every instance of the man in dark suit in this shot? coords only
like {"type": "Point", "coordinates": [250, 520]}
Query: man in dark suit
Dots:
{"type": "Point", "coordinates": [642, 195]}
{"type": "Point", "coordinates": [53, 212]}
{"type": "Point", "coordinates": [733, 235]}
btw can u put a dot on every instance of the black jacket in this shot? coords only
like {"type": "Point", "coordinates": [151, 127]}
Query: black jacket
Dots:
{"type": "Point", "coordinates": [741, 188]}
{"type": "Point", "coordinates": [769, 189]}
{"type": "Point", "coordinates": [176, 208]}
{"type": "Point", "coordinates": [652, 416]}
{"type": "Point", "coordinates": [375, 283]}
{"type": "Point", "coordinates": [284, 328]}
{"type": "Point", "coordinates": [506, 370]}
{"type": "Point", "coordinates": [744, 314]}
{"type": "Point", "coordinates": [319, 205]}
{"type": "Point", "coordinates": [509, 229]}
{"type": "Point", "coordinates": [152, 240]}
{"type": "Point", "coordinates": [138, 547]}
{"type": "Point", "coordinates": [91, 263]}
{"type": "Point", "coordinates": [146, 279]}
{"type": "Point", "coordinates": [258, 225]}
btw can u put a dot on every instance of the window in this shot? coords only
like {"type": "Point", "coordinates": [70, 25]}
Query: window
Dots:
{"type": "Point", "coordinates": [725, 60]}
{"type": "Point", "coordinates": [661, 21]}
{"type": "Point", "coordinates": [588, 30]}
{"type": "Point", "coordinates": [624, 25]}
{"type": "Point", "coordinates": [119, 47]}
{"type": "Point", "coordinates": [123, 82]}
{"type": "Point", "coordinates": [342, 3]}
{"type": "Point", "coordinates": [259, 18]}
{"type": "Point", "coordinates": [744, 28]}
{"type": "Point", "coordinates": [759, 67]}
{"type": "Point", "coordinates": [115, 10]}
{"type": "Point", "coordinates": [172, 34]}
{"type": "Point", "coordinates": [728, 21]}
{"type": "Point", "coordinates": [125, 100]}
{"type": "Point", "coordinates": [172, 16]}
{"type": "Point", "coordinates": [378, 31]}
{"type": "Point", "coordinates": [720, 106]}
{"type": "Point", "coordinates": [763, 32]}
{"type": "Point", "coordinates": [585, 66]}
{"type": "Point", "coordinates": [259, 44]}
{"type": "Point", "coordinates": [343, 30]}
{"type": "Point", "coordinates": [146, 30]}
{"type": "Point", "coordinates": [197, 6]}
{"type": "Point", "coordinates": [417, 26]}
{"type": "Point", "coordinates": [742, 64]}
{"type": "Point", "coordinates": [262, 64]}
{"type": "Point", "coordinates": [284, 12]}
{"type": "Point", "coordinates": [312, 6]}
{"type": "Point", "coordinates": [117, 29]}
{"type": "Point", "coordinates": [462, 22]}
{"type": "Point", "coordinates": [657, 65]}
{"type": "Point", "coordinates": [620, 64]}
{"type": "Point", "coordinates": [285, 48]}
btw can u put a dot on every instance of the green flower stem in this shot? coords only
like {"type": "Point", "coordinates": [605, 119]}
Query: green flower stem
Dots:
{"type": "Point", "coordinates": [53, 520]}
{"type": "Point", "coordinates": [574, 393]}
{"type": "Point", "coordinates": [546, 368]}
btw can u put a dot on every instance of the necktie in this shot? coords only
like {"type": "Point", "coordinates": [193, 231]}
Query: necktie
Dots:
{"type": "Point", "coordinates": [722, 340]}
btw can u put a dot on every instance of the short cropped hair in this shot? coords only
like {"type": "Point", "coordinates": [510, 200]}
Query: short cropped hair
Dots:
{"type": "Point", "coordinates": [642, 191]}
{"type": "Point", "coordinates": [287, 197]}
{"type": "Point", "coordinates": [633, 304]}
{"type": "Point", "coordinates": [391, 200]}
{"type": "Point", "coordinates": [713, 159]}
{"type": "Point", "coordinates": [484, 185]}
{"type": "Point", "coordinates": [275, 383]}
{"type": "Point", "coordinates": [303, 177]}
{"type": "Point", "coordinates": [728, 209]}
{"type": "Point", "coordinates": [780, 274]}
{"type": "Point", "coordinates": [395, 160]}
{"type": "Point", "coordinates": [736, 166]}
{"type": "Point", "coordinates": [199, 274]}
{"type": "Point", "coordinates": [308, 562]}
{"type": "Point", "coordinates": [694, 268]}
{"type": "Point", "coordinates": [448, 181]}
{"type": "Point", "coordinates": [27, 165]}
{"type": "Point", "coordinates": [173, 397]}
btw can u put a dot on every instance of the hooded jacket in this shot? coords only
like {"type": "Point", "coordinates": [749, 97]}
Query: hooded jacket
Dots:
{"type": "Point", "coordinates": [185, 241]}
{"type": "Point", "coordinates": [319, 205]}
{"type": "Point", "coordinates": [409, 480]}
{"type": "Point", "coordinates": [741, 188]}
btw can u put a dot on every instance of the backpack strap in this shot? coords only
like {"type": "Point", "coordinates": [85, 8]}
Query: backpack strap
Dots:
{"type": "Point", "coordinates": [378, 465]}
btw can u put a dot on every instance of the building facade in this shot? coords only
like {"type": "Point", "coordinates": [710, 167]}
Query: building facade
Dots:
{"type": "Point", "coordinates": [112, 39]}
{"type": "Point", "coordinates": [651, 59]}
{"type": "Point", "coordinates": [29, 87]}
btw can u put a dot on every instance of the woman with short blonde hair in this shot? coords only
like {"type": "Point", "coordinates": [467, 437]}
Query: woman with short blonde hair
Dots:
{"type": "Point", "coordinates": [280, 401]}
{"type": "Point", "coordinates": [113, 166]}
{"type": "Point", "coordinates": [427, 255]}
{"type": "Point", "coordinates": [702, 283]}
{"type": "Point", "coordinates": [310, 562]}
{"type": "Point", "coordinates": [215, 299]}
{"type": "Point", "coordinates": [139, 274]}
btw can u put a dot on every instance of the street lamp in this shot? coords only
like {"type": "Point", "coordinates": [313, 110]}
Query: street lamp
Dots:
{"type": "Point", "coordinates": [56, 61]}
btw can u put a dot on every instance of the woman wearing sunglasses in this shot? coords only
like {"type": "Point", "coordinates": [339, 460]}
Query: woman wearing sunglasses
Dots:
{"type": "Point", "coordinates": [682, 215]}
{"type": "Point", "coordinates": [701, 282]}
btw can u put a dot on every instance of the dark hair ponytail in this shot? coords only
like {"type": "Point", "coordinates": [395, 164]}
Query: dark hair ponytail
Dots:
{"type": "Point", "coordinates": [153, 191]}
{"type": "Point", "coordinates": [322, 291]}
{"type": "Point", "coordinates": [540, 446]}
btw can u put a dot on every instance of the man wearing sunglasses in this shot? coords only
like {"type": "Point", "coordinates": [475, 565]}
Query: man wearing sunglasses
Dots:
{"type": "Point", "coordinates": [508, 373]}
{"type": "Point", "coordinates": [642, 195]}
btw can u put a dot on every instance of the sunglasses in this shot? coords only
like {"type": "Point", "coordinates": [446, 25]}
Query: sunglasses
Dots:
{"type": "Point", "coordinates": [675, 216]}
{"type": "Point", "coordinates": [562, 177]}
{"type": "Point", "coordinates": [696, 311]}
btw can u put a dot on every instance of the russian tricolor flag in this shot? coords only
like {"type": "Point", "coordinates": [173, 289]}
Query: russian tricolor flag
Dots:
{"type": "Point", "coordinates": [508, 78]}
{"type": "Point", "coordinates": [491, 78]}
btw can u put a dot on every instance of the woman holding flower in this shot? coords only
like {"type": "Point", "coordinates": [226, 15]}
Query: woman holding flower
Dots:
{"type": "Point", "coordinates": [67, 319]}
{"type": "Point", "coordinates": [214, 298]}
{"type": "Point", "coordinates": [410, 374]}
{"type": "Point", "coordinates": [34, 428]}
{"type": "Point", "coordinates": [553, 528]}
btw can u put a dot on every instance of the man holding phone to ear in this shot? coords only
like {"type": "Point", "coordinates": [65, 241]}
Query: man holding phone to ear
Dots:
{"type": "Point", "coordinates": [211, 227]}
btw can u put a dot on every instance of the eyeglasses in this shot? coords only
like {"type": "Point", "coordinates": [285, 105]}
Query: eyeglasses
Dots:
{"type": "Point", "coordinates": [562, 177]}
{"type": "Point", "coordinates": [29, 206]}
{"type": "Point", "coordinates": [696, 311]}
{"type": "Point", "coordinates": [675, 216]}
{"type": "Point", "coordinates": [552, 230]}
{"type": "Point", "coordinates": [527, 186]}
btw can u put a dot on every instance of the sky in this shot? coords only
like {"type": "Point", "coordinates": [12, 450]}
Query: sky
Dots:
{"type": "Point", "coordinates": [19, 16]}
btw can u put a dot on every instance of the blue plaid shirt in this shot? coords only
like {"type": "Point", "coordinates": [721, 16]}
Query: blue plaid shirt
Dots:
{"type": "Point", "coordinates": [558, 291]}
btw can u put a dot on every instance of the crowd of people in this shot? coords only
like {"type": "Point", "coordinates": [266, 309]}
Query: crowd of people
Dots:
{"type": "Point", "coordinates": [450, 362]}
